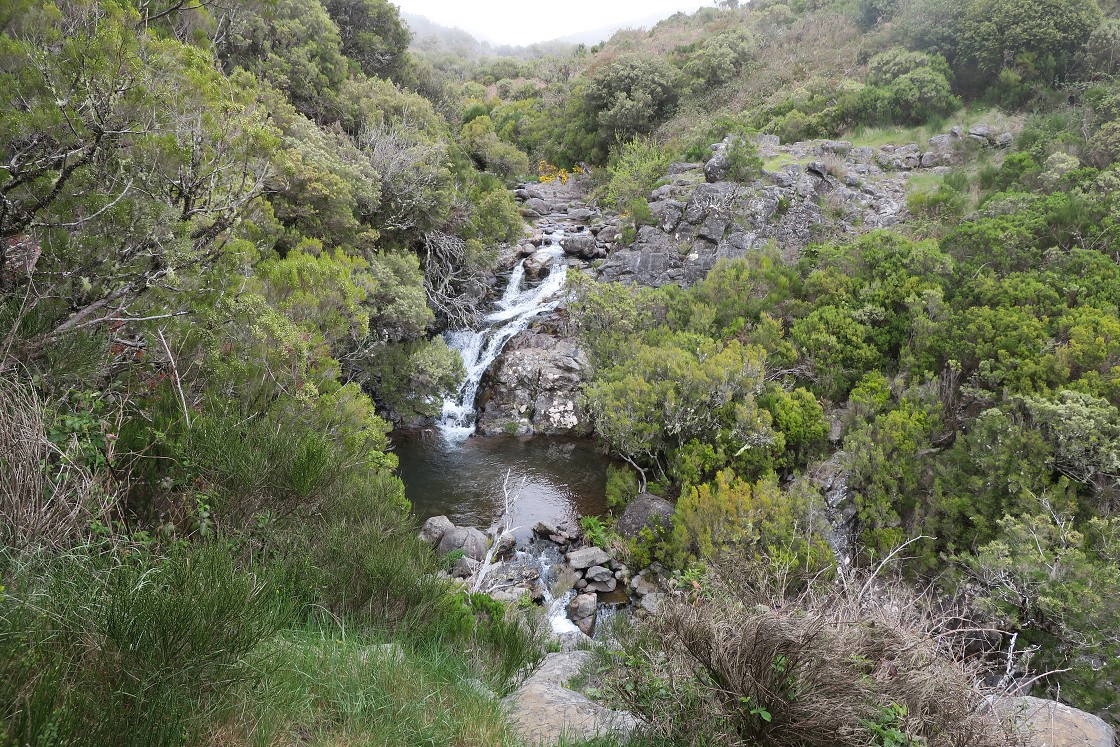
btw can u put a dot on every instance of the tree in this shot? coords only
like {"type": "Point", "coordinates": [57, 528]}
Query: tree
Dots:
{"type": "Point", "coordinates": [631, 95]}
{"type": "Point", "coordinates": [372, 35]}
{"type": "Point", "coordinates": [1036, 38]}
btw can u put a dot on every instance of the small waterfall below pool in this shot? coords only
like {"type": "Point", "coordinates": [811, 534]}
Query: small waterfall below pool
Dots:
{"type": "Point", "coordinates": [519, 304]}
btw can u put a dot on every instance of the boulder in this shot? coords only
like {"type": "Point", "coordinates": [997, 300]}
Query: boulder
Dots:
{"type": "Point", "coordinates": [608, 234]}
{"type": "Point", "coordinates": [1005, 140]}
{"type": "Point", "coordinates": [645, 510]}
{"type": "Point", "coordinates": [538, 205]}
{"type": "Point", "coordinates": [534, 386]}
{"type": "Point", "coordinates": [651, 603]}
{"type": "Point", "coordinates": [980, 132]}
{"type": "Point", "coordinates": [537, 262]}
{"type": "Point", "coordinates": [468, 539]}
{"type": "Point", "coordinates": [543, 711]}
{"type": "Point", "coordinates": [434, 529]}
{"type": "Point", "coordinates": [587, 557]}
{"type": "Point", "coordinates": [598, 573]}
{"type": "Point", "coordinates": [581, 214]}
{"type": "Point", "coordinates": [582, 245]}
{"type": "Point", "coordinates": [718, 166]}
{"type": "Point", "coordinates": [603, 587]}
{"type": "Point", "coordinates": [1051, 724]}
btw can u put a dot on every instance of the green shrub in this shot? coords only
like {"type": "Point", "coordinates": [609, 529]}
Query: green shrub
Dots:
{"type": "Point", "coordinates": [622, 486]}
{"type": "Point", "coordinates": [101, 648]}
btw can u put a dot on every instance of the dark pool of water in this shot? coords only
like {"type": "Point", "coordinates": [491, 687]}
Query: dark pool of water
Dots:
{"type": "Point", "coordinates": [558, 478]}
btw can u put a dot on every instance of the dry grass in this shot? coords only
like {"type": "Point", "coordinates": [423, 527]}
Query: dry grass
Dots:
{"type": "Point", "coordinates": [45, 498]}
{"type": "Point", "coordinates": [841, 665]}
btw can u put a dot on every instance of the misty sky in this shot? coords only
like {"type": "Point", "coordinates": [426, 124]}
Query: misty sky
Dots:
{"type": "Point", "coordinates": [526, 22]}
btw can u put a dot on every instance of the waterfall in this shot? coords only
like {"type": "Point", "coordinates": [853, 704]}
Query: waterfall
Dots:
{"type": "Point", "coordinates": [479, 347]}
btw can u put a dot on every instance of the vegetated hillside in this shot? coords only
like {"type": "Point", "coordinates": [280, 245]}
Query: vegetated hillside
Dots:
{"type": "Point", "coordinates": [951, 380]}
{"type": "Point", "coordinates": [228, 234]}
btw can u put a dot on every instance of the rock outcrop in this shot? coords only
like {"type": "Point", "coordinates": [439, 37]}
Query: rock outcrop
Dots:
{"type": "Point", "coordinates": [1051, 724]}
{"type": "Point", "coordinates": [544, 710]}
{"type": "Point", "coordinates": [533, 388]}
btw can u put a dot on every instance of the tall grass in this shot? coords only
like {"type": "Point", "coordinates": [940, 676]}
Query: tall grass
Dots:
{"type": "Point", "coordinates": [99, 647]}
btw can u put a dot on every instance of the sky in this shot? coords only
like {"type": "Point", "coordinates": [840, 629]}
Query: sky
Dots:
{"type": "Point", "coordinates": [524, 22]}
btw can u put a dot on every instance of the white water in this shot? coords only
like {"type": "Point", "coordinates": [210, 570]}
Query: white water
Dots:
{"type": "Point", "coordinates": [479, 347]}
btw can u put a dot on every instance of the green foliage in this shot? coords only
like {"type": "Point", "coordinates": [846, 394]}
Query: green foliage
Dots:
{"type": "Point", "coordinates": [622, 487]}
{"type": "Point", "coordinates": [140, 649]}
{"type": "Point", "coordinates": [753, 520]}
{"type": "Point", "coordinates": [1033, 40]}
{"type": "Point", "coordinates": [372, 35]}
{"type": "Point", "coordinates": [1054, 582]}
{"type": "Point", "coordinates": [631, 95]}
{"type": "Point", "coordinates": [634, 169]}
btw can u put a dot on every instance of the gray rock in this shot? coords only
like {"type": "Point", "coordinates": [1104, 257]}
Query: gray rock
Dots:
{"type": "Point", "coordinates": [666, 214]}
{"type": "Point", "coordinates": [603, 587]}
{"type": "Point", "coordinates": [608, 235]}
{"type": "Point", "coordinates": [651, 603]}
{"type": "Point", "coordinates": [957, 132]}
{"type": "Point", "coordinates": [581, 584]}
{"type": "Point", "coordinates": [941, 142]}
{"type": "Point", "coordinates": [643, 585]}
{"type": "Point", "coordinates": [836, 147]}
{"type": "Point", "coordinates": [580, 214]}
{"type": "Point", "coordinates": [434, 529]}
{"type": "Point", "coordinates": [521, 194]}
{"type": "Point", "coordinates": [543, 711]}
{"type": "Point", "coordinates": [534, 386]}
{"type": "Point", "coordinates": [680, 167]}
{"type": "Point", "coordinates": [538, 205]}
{"type": "Point", "coordinates": [1005, 140]}
{"type": "Point", "coordinates": [598, 573]}
{"type": "Point", "coordinates": [581, 245]}
{"type": "Point", "coordinates": [645, 510]}
{"type": "Point", "coordinates": [980, 132]}
{"type": "Point", "coordinates": [465, 567]}
{"type": "Point", "coordinates": [468, 539]}
{"type": "Point", "coordinates": [534, 194]}
{"type": "Point", "coordinates": [537, 262]}
{"type": "Point", "coordinates": [546, 528]}
{"type": "Point", "coordinates": [587, 557]}
{"type": "Point", "coordinates": [1052, 724]}
{"type": "Point", "coordinates": [718, 166]}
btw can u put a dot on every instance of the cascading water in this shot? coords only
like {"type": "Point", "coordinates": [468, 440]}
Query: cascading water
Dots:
{"type": "Point", "coordinates": [517, 307]}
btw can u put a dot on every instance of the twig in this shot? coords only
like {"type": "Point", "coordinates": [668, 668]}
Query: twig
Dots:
{"type": "Point", "coordinates": [178, 381]}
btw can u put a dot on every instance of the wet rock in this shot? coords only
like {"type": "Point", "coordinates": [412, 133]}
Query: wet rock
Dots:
{"type": "Point", "coordinates": [603, 587]}
{"type": "Point", "coordinates": [1052, 724]}
{"type": "Point", "coordinates": [582, 610]}
{"type": "Point", "coordinates": [543, 710]}
{"type": "Point", "coordinates": [534, 387]}
{"type": "Point", "coordinates": [434, 529]}
{"type": "Point", "coordinates": [644, 511]}
{"type": "Point", "coordinates": [537, 263]}
{"type": "Point", "coordinates": [587, 557]}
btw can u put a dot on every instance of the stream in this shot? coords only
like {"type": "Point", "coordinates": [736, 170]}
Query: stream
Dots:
{"type": "Point", "coordinates": [448, 470]}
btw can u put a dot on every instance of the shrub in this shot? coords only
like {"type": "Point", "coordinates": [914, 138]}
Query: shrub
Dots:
{"type": "Point", "coordinates": [742, 663]}
{"type": "Point", "coordinates": [633, 170]}
{"type": "Point", "coordinates": [104, 648]}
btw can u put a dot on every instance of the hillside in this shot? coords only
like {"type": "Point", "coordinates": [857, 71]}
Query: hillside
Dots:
{"type": "Point", "coordinates": [829, 291]}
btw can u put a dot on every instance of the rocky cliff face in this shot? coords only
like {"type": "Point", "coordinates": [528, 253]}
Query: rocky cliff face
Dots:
{"type": "Point", "coordinates": [533, 387]}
